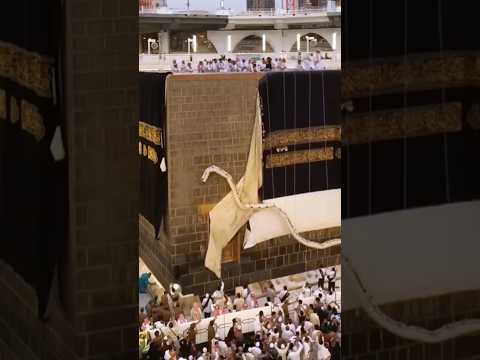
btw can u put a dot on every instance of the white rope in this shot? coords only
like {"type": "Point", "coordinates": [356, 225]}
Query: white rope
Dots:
{"type": "Point", "coordinates": [444, 333]}
{"type": "Point", "coordinates": [312, 244]}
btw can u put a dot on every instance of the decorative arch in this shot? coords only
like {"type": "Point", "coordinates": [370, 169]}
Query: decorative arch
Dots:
{"type": "Point", "coordinates": [321, 44]}
{"type": "Point", "coordinates": [252, 44]}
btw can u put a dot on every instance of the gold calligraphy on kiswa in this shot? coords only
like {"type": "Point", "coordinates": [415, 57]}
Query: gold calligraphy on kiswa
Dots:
{"type": "Point", "coordinates": [150, 133]}
{"type": "Point", "coordinates": [316, 134]}
{"type": "Point", "coordinates": [32, 121]}
{"type": "Point", "coordinates": [26, 68]}
{"type": "Point", "coordinates": [302, 157]}
{"type": "Point", "coordinates": [418, 73]}
{"type": "Point", "coordinates": [148, 152]}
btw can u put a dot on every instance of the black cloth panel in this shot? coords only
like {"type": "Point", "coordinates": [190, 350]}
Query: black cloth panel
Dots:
{"type": "Point", "coordinates": [153, 180]}
{"type": "Point", "coordinates": [422, 169]}
{"type": "Point", "coordinates": [295, 101]}
{"type": "Point", "coordinates": [33, 183]}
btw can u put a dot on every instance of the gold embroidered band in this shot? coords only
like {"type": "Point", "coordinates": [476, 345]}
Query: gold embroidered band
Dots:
{"type": "Point", "coordinates": [418, 73]}
{"type": "Point", "coordinates": [150, 133]}
{"type": "Point", "coordinates": [26, 68]}
{"type": "Point", "coordinates": [302, 136]}
{"type": "Point", "coordinates": [148, 151]}
{"type": "Point", "coordinates": [396, 124]}
{"type": "Point", "coordinates": [299, 157]}
{"type": "Point", "coordinates": [32, 121]}
{"type": "Point", "coordinates": [3, 104]}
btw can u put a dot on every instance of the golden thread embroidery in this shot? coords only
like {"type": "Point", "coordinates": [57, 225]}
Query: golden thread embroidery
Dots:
{"type": "Point", "coordinates": [32, 121]}
{"type": "Point", "coordinates": [302, 136]}
{"type": "Point", "coordinates": [148, 151]}
{"type": "Point", "coordinates": [26, 68]}
{"type": "Point", "coordinates": [150, 133]}
{"type": "Point", "coordinates": [299, 157]}
{"type": "Point", "coordinates": [417, 74]}
{"type": "Point", "coordinates": [14, 110]}
{"type": "Point", "coordinates": [3, 104]}
{"type": "Point", "coordinates": [395, 124]}
{"type": "Point", "coordinates": [152, 155]}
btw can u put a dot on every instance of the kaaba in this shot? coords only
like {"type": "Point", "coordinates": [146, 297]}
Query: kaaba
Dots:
{"type": "Point", "coordinates": [409, 189]}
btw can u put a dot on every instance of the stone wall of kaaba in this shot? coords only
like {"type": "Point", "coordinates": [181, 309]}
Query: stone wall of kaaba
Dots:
{"type": "Point", "coordinates": [210, 121]}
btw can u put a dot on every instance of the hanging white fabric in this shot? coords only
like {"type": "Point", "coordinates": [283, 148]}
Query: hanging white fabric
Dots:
{"type": "Point", "coordinates": [226, 218]}
{"type": "Point", "coordinates": [309, 212]}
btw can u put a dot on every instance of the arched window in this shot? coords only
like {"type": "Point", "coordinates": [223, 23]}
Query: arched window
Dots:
{"type": "Point", "coordinates": [320, 43]}
{"type": "Point", "coordinates": [252, 44]}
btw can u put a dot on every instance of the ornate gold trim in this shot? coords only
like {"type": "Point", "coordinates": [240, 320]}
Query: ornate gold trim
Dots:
{"type": "Point", "coordinates": [299, 157]}
{"type": "Point", "coordinates": [152, 155]}
{"type": "Point", "coordinates": [3, 104]}
{"type": "Point", "coordinates": [150, 133]}
{"type": "Point", "coordinates": [148, 151]}
{"type": "Point", "coordinates": [391, 75]}
{"type": "Point", "coordinates": [32, 121]}
{"type": "Point", "coordinates": [27, 68]}
{"type": "Point", "coordinates": [397, 123]}
{"type": "Point", "coordinates": [302, 136]}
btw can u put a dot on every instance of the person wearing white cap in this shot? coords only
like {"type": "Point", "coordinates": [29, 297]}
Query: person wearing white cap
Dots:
{"type": "Point", "coordinates": [218, 295]}
{"type": "Point", "coordinates": [287, 334]}
{"type": "Point", "coordinates": [205, 355]}
{"type": "Point", "coordinates": [255, 350]}
{"type": "Point", "coordinates": [322, 352]}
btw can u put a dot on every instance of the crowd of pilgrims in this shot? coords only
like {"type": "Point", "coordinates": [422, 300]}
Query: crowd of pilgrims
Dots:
{"type": "Point", "coordinates": [315, 61]}
{"type": "Point", "coordinates": [309, 332]}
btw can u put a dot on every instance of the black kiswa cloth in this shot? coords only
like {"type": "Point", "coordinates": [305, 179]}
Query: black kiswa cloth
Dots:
{"type": "Point", "coordinates": [153, 180]}
{"type": "Point", "coordinates": [33, 184]}
{"type": "Point", "coordinates": [299, 102]}
{"type": "Point", "coordinates": [410, 170]}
